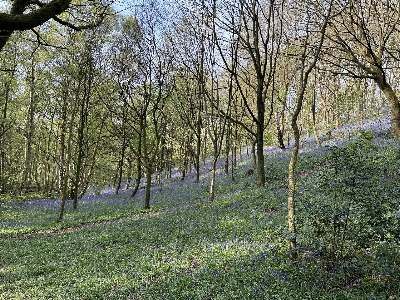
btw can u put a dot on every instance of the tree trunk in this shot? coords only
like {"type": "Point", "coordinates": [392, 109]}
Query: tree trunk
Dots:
{"type": "Point", "coordinates": [65, 166]}
{"type": "Point", "coordinates": [138, 178]}
{"type": "Point", "coordinates": [78, 171]}
{"type": "Point", "coordinates": [292, 189]}
{"type": "Point", "coordinates": [314, 127]}
{"type": "Point", "coordinates": [304, 75]}
{"type": "Point", "coordinates": [65, 150]}
{"type": "Point", "coordinates": [233, 163]}
{"type": "Point", "coordinates": [393, 103]}
{"type": "Point", "coordinates": [227, 149]}
{"type": "Point", "coordinates": [260, 161]}
{"type": "Point", "coordinates": [148, 187]}
{"type": "Point", "coordinates": [121, 164]}
{"type": "Point", "coordinates": [279, 132]}
{"type": "Point", "coordinates": [212, 183]}
{"type": "Point", "coordinates": [235, 148]}
{"type": "Point", "coordinates": [129, 174]}
{"type": "Point", "coordinates": [198, 147]}
{"type": "Point", "coordinates": [26, 178]}
{"type": "Point", "coordinates": [62, 145]}
{"type": "Point", "coordinates": [3, 138]}
{"type": "Point", "coordinates": [138, 166]}
{"type": "Point", "coordinates": [253, 153]}
{"type": "Point", "coordinates": [88, 176]}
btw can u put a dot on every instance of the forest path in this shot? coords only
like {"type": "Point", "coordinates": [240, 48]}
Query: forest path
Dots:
{"type": "Point", "coordinates": [74, 228]}
{"type": "Point", "coordinates": [83, 226]}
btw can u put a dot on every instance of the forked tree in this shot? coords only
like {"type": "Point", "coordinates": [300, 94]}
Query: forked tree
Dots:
{"type": "Point", "coordinates": [255, 29]}
{"type": "Point", "coordinates": [313, 21]}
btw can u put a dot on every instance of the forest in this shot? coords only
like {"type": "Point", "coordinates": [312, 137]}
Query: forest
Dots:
{"type": "Point", "coordinates": [204, 149]}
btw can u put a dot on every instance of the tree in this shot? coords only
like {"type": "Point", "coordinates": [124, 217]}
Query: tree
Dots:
{"type": "Point", "coordinates": [256, 30]}
{"type": "Point", "coordinates": [27, 14]}
{"type": "Point", "coordinates": [7, 83]}
{"type": "Point", "coordinates": [310, 46]}
{"type": "Point", "coordinates": [366, 35]}
{"type": "Point", "coordinates": [82, 86]}
{"type": "Point", "coordinates": [190, 42]}
{"type": "Point", "coordinates": [142, 68]}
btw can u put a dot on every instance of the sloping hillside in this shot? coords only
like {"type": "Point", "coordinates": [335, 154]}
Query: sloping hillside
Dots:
{"type": "Point", "coordinates": [186, 247]}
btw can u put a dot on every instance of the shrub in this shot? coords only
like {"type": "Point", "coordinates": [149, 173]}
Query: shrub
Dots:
{"type": "Point", "coordinates": [349, 207]}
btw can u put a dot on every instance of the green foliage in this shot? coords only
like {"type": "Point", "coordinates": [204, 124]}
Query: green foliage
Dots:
{"type": "Point", "coordinates": [232, 248]}
{"type": "Point", "coordinates": [354, 210]}
{"type": "Point", "coordinates": [131, 29]}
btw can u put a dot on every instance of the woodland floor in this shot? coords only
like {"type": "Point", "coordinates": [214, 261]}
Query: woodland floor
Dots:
{"type": "Point", "coordinates": [186, 247]}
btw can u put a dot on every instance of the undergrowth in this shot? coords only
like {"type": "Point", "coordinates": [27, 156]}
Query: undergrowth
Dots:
{"type": "Point", "coordinates": [233, 248]}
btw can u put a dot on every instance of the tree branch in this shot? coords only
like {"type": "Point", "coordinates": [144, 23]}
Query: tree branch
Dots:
{"type": "Point", "coordinates": [12, 22]}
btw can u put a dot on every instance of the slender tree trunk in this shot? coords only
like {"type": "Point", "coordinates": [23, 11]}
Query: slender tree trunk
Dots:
{"type": "Point", "coordinates": [78, 171]}
{"type": "Point", "coordinates": [48, 164]}
{"type": "Point", "coordinates": [26, 178]}
{"type": "Point", "coordinates": [227, 149]}
{"type": "Point", "coordinates": [138, 166]}
{"type": "Point", "coordinates": [292, 189]}
{"type": "Point", "coordinates": [304, 76]}
{"type": "Point", "coordinates": [121, 164]}
{"type": "Point", "coordinates": [62, 145]}
{"type": "Point", "coordinates": [281, 143]}
{"type": "Point", "coordinates": [147, 163]}
{"type": "Point", "coordinates": [64, 193]}
{"type": "Point", "coordinates": [204, 152]}
{"type": "Point", "coordinates": [260, 159]}
{"type": "Point", "coordinates": [233, 163]}
{"type": "Point", "coordinates": [314, 127]}
{"type": "Point", "coordinates": [3, 139]}
{"type": "Point", "coordinates": [66, 168]}
{"type": "Point", "coordinates": [148, 187]}
{"type": "Point", "coordinates": [129, 174]}
{"type": "Point", "coordinates": [65, 150]}
{"type": "Point", "coordinates": [212, 183]}
{"type": "Point", "coordinates": [198, 147]}
{"type": "Point", "coordinates": [138, 178]}
{"type": "Point", "coordinates": [360, 100]}
{"type": "Point", "coordinates": [253, 153]}
{"type": "Point", "coordinates": [235, 147]}
{"type": "Point", "coordinates": [89, 174]}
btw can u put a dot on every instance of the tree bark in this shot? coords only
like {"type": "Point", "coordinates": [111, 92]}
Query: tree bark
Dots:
{"type": "Point", "coordinates": [393, 102]}
{"type": "Point", "coordinates": [3, 131]}
{"type": "Point", "coordinates": [138, 178]}
{"type": "Point", "coordinates": [66, 165]}
{"type": "Point", "coordinates": [148, 187]}
{"type": "Point", "coordinates": [212, 182]}
{"type": "Point", "coordinates": [17, 20]}
{"type": "Point", "coordinates": [280, 129]}
{"type": "Point", "coordinates": [138, 165]}
{"type": "Point", "coordinates": [260, 157]}
{"type": "Point", "coordinates": [198, 146]}
{"type": "Point", "coordinates": [292, 189]}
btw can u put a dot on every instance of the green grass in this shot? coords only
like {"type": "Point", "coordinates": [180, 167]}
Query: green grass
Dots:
{"type": "Point", "coordinates": [232, 248]}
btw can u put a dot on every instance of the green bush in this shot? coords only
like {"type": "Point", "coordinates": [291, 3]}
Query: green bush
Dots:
{"type": "Point", "coordinates": [349, 208]}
